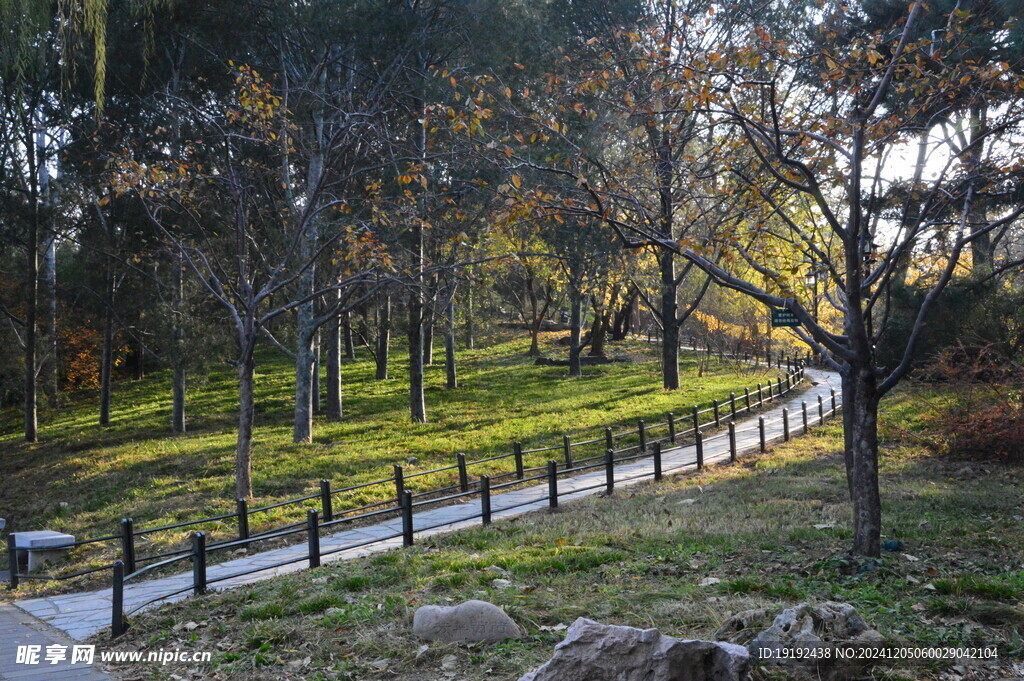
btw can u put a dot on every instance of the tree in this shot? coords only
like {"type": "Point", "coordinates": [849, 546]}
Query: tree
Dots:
{"type": "Point", "coordinates": [826, 138]}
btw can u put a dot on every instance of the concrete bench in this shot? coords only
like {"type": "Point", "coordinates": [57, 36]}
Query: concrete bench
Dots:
{"type": "Point", "coordinates": [39, 545]}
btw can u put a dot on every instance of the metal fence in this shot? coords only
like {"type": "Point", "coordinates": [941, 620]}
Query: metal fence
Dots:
{"type": "Point", "coordinates": [598, 452]}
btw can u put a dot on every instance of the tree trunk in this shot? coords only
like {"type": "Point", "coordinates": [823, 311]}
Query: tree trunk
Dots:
{"type": "Point", "coordinates": [670, 326]}
{"type": "Point", "coordinates": [417, 403]}
{"type": "Point", "coordinates": [470, 341]}
{"type": "Point", "coordinates": [534, 350]}
{"type": "Point", "coordinates": [246, 417]}
{"type": "Point", "coordinates": [867, 505]}
{"type": "Point", "coordinates": [49, 279]}
{"type": "Point", "coordinates": [451, 374]}
{"type": "Point", "coordinates": [350, 347]}
{"type": "Point", "coordinates": [575, 314]}
{"type": "Point", "coordinates": [848, 398]}
{"type": "Point", "coordinates": [316, 373]}
{"type": "Point", "coordinates": [107, 356]}
{"type": "Point", "coordinates": [334, 402]}
{"type": "Point", "coordinates": [598, 333]}
{"type": "Point", "coordinates": [428, 337]}
{"type": "Point", "coordinates": [177, 354]}
{"type": "Point", "coordinates": [303, 427]}
{"type": "Point", "coordinates": [383, 339]}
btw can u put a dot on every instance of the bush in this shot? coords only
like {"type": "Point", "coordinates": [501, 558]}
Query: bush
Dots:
{"type": "Point", "coordinates": [984, 415]}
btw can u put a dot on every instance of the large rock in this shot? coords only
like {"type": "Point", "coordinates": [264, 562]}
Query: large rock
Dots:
{"type": "Point", "coordinates": [600, 652]}
{"type": "Point", "coordinates": [806, 626]}
{"type": "Point", "coordinates": [469, 621]}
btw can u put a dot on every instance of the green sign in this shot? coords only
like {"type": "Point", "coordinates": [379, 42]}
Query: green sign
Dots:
{"type": "Point", "coordinates": [783, 317]}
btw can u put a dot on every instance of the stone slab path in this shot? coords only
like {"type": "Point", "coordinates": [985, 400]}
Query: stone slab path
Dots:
{"type": "Point", "coordinates": [18, 628]}
{"type": "Point", "coordinates": [84, 614]}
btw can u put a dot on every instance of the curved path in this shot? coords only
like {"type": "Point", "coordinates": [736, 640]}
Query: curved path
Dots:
{"type": "Point", "coordinates": [82, 614]}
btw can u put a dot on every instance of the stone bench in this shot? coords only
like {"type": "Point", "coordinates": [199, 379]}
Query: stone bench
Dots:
{"type": "Point", "coordinates": [39, 545]}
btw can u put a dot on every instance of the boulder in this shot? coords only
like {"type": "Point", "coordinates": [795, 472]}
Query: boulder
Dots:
{"type": "Point", "coordinates": [469, 621]}
{"type": "Point", "coordinates": [806, 626]}
{"type": "Point", "coordinates": [600, 652]}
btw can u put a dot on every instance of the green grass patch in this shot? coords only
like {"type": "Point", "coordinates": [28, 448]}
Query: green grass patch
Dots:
{"type": "Point", "coordinates": [82, 479]}
{"type": "Point", "coordinates": [639, 557]}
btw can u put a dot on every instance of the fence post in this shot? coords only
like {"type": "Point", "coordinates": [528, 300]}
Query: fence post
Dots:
{"type": "Point", "coordinates": [517, 452]}
{"type": "Point", "coordinates": [732, 442]}
{"type": "Point", "coordinates": [198, 562]}
{"type": "Point", "coordinates": [803, 410]}
{"type": "Point", "coordinates": [788, 384]}
{"type": "Point", "coordinates": [833, 402]}
{"type": "Point", "coordinates": [696, 420]}
{"type": "Point", "coordinates": [242, 512]}
{"type": "Point", "coordinates": [821, 411]}
{"type": "Point", "coordinates": [609, 471]}
{"type": "Point", "coordinates": [117, 601]}
{"type": "Point", "coordinates": [732, 405]}
{"type": "Point", "coordinates": [785, 424]}
{"type": "Point", "coordinates": [485, 499]}
{"type": "Point", "coordinates": [567, 448]}
{"type": "Point", "coordinates": [313, 537]}
{"type": "Point", "coordinates": [760, 397]}
{"type": "Point", "coordinates": [12, 560]}
{"type": "Point", "coordinates": [780, 388]}
{"type": "Point", "coordinates": [460, 459]}
{"type": "Point", "coordinates": [128, 544]}
{"type": "Point", "coordinates": [407, 529]}
{"type": "Point", "coordinates": [700, 449]}
{"type": "Point", "coordinates": [642, 429]}
{"type": "Point", "coordinates": [552, 484]}
{"type": "Point", "coordinates": [746, 396]}
{"type": "Point", "coordinates": [399, 484]}
{"type": "Point", "coordinates": [609, 439]}
{"type": "Point", "coordinates": [326, 504]}
{"type": "Point", "coordinates": [760, 428]}
{"type": "Point", "coordinates": [657, 461]}
{"type": "Point", "coordinates": [718, 421]}
{"type": "Point", "coordinates": [671, 427]}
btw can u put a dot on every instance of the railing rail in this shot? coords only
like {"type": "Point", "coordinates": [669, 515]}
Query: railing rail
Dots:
{"type": "Point", "coordinates": [402, 504]}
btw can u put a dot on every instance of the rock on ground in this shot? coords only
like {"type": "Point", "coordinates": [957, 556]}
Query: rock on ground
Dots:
{"type": "Point", "coordinates": [600, 652]}
{"type": "Point", "coordinates": [469, 621]}
{"type": "Point", "coordinates": [832, 624]}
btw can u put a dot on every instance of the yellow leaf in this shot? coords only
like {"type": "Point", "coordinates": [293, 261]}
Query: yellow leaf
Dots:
{"type": "Point", "coordinates": [517, 181]}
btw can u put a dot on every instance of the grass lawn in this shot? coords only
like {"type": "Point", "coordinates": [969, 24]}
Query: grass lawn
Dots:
{"type": "Point", "coordinates": [773, 528]}
{"type": "Point", "coordinates": [82, 479]}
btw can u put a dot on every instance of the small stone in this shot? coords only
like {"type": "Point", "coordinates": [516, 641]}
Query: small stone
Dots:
{"type": "Point", "coordinates": [687, 502]}
{"type": "Point", "coordinates": [380, 664]}
{"type": "Point", "coordinates": [496, 570]}
{"type": "Point", "coordinates": [709, 581]}
{"type": "Point", "coordinates": [469, 621]}
{"type": "Point", "coordinates": [912, 559]}
{"type": "Point", "coordinates": [501, 584]}
{"type": "Point", "coordinates": [449, 662]}
{"type": "Point", "coordinates": [422, 651]}
{"type": "Point", "coordinates": [412, 460]}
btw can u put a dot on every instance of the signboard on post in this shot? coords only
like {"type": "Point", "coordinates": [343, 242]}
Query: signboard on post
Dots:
{"type": "Point", "coordinates": [783, 317]}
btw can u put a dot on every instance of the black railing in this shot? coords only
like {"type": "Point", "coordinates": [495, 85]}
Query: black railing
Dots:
{"type": "Point", "coordinates": [128, 567]}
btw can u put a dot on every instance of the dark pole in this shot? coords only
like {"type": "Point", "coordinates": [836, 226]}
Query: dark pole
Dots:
{"type": "Point", "coordinates": [407, 529]}
{"type": "Point", "coordinates": [117, 601]}
{"type": "Point", "coordinates": [313, 537]}
{"type": "Point", "coordinates": [552, 484]}
{"type": "Point", "coordinates": [485, 499]}
{"type": "Point", "coordinates": [657, 461]}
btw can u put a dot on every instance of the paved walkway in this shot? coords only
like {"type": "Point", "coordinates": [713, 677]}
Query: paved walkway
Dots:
{"type": "Point", "coordinates": [83, 614]}
{"type": "Point", "coordinates": [18, 628]}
